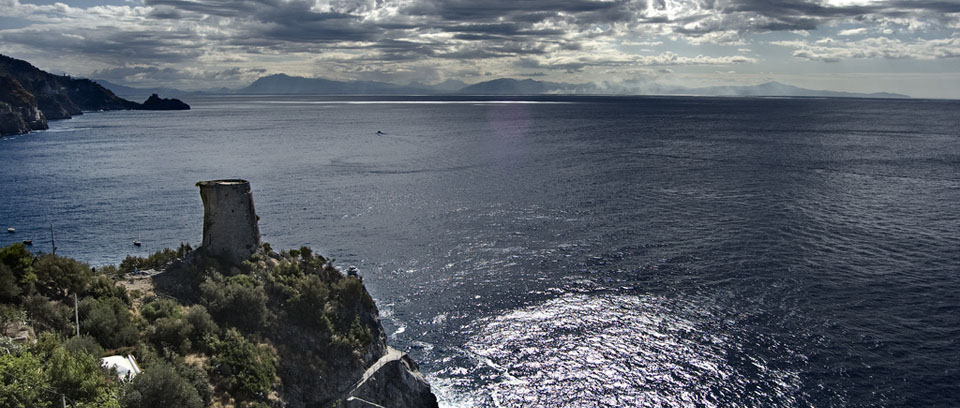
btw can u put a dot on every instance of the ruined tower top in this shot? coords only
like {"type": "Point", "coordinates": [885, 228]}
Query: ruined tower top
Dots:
{"type": "Point", "coordinates": [229, 221]}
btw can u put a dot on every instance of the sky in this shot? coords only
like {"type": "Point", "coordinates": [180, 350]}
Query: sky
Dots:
{"type": "Point", "coordinates": [903, 46]}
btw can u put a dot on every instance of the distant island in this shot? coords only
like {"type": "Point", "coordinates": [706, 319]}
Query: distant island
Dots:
{"type": "Point", "coordinates": [29, 97]}
{"type": "Point", "coordinates": [282, 84]}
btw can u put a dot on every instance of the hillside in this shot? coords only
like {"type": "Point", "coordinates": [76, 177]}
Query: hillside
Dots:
{"type": "Point", "coordinates": [54, 96]}
{"type": "Point", "coordinates": [18, 109]}
{"type": "Point", "coordinates": [282, 329]}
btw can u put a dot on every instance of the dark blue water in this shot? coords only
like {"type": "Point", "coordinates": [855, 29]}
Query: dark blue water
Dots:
{"type": "Point", "coordinates": [569, 251]}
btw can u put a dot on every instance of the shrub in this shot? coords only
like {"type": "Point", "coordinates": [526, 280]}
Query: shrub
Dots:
{"type": "Point", "coordinates": [204, 328]}
{"type": "Point", "coordinates": [184, 249]}
{"type": "Point", "coordinates": [360, 335]}
{"type": "Point", "coordinates": [311, 295]}
{"type": "Point", "coordinates": [108, 320]}
{"type": "Point", "coordinates": [197, 377]}
{"type": "Point", "coordinates": [76, 375]}
{"type": "Point", "coordinates": [83, 343]}
{"type": "Point", "coordinates": [9, 288]}
{"type": "Point", "coordinates": [110, 271]}
{"type": "Point", "coordinates": [306, 253]}
{"type": "Point", "coordinates": [58, 276]}
{"type": "Point", "coordinates": [10, 314]}
{"type": "Point", "coordinates": [170, 333]}
{"type": "Point", "coordinates": [238, 301]}
{"type": "Point", "coordinates": [246, 368]}
{"type": "Point", "coordinates": [160, 308]}
{"type": "Point", "coordinates": [351, 292]}
{"type": "Point", "coordinates": [102, 286]}
{"type": "Point", "coordinates": [22, 381]}
{"type": "Point", "coordinates": [47, 316]}
{"type": "Point", "coordinates": [160, 386]}
{"type": "Point", "coordinates": [154, 260]}
{"type": "Point", "coordinates": [20, 261]}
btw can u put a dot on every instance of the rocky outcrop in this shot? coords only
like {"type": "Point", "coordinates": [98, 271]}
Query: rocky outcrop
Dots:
{"type": "Point", "coordinates": [393, 381]}
{"type": "Point", "coordinates": [155, 102]}
{"type": "Point", "coordinates": [18, 109]}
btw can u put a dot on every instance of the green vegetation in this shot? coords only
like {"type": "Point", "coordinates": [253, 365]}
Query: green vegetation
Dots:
{"type": "Point", "coordinates": [161, 387]}
{"type": "Point", "coordinates": [211, 334]}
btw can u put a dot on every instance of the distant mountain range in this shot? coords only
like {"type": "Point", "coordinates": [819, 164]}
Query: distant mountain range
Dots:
{"type": "Point", "coordinates": [778, 89]}
{"type": "Point", "coordinates": [141, 93]}
{"type": "Point", "coordinates": [283, 84]}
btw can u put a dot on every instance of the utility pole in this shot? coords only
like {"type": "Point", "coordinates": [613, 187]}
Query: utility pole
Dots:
{"type": "Point", "coordinates": [76, 312]}
{"type": "Point", "coordinates": [53, 243]}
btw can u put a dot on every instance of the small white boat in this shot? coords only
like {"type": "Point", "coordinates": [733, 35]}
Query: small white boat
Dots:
{"type": "Point", "coordinates": [137, 241]}
{"type": "Point", "coordinates": [11, 230]}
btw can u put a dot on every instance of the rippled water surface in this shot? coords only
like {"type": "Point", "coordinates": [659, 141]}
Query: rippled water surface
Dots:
{"type": "Point", "coordinates": [597, 252]}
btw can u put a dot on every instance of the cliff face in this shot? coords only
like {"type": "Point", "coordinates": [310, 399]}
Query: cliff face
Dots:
{"type": "Point", "coordinates": [18, 109]}
{"type": "Point", "coordinates": [57, 97]}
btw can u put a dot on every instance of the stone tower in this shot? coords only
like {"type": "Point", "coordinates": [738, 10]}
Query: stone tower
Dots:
{"type": "Point", "coordinates": [229, 221]}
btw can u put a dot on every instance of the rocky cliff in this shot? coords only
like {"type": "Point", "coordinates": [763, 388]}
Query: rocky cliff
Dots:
{"type": "Point", "coordinates": [18, 109]}
{"type": "Point", "coordinates": [57, 97]}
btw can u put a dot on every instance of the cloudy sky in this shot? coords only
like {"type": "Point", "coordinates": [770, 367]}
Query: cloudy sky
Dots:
{"type": "Point", "coordinates": [905, 46]}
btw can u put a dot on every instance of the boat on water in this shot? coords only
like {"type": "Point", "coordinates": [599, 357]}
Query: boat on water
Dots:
{"type": "Point", "coordinates": [11, 230]}
{"type": "Point", "coordinates": [28, 242]}
{"type": "Point", "coordinates": [137, 241]}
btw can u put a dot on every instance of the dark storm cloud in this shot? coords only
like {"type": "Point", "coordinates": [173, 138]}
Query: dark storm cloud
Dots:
{"type": "Point", "coordinates": [794, 9]}
{"type": "Point", "coordinates": [113, 47]}
{"type": "Point", "coordinates": [237, 8]}
{"type": "Point", "coordinates": [269, 22]}
{"type": "Point", "coordinates": [930, 6]}
{"type": "Point", "coordinates": [782, 15]}
{"type": "Point", "coordinates": [328, 27]}
{"type": "Point", "coordinates": [502, 28]}
{"type": "Point", "coordinates": [472, 10]}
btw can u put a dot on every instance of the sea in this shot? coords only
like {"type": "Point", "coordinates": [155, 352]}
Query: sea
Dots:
{"type": "Point", "coordinates": [567, 251]}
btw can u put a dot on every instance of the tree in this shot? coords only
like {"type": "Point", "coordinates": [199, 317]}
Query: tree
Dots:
{"type": "Point", "coordinates": [83, 344]}
{"type": "Point", "coordinates": [108, 320]}
{"type": "Point", "coordinates": [248, 369]}
{"type": "Point", "coordinates": [78, 376]}
{"type": "Point", "coordinates": [172, 333]}
{"type": "Point", "coordinates": [49, 316]}
{"type": "Point", "coordinates": [20, 261]}
{"type": "Point", "coordinates": [205, 330]}
{"type": "Point", "coordinates": [9, 289]}
{"type": "Point", "coordinates": [23, 382]}
{"type": "Point", "coordinates": [237, 301]}
{"type": "Point", "coordinates": [58, 276]}
{"type": "Point", "coordinates": [160, 386]}
{"type": "Point", "coordinates": [160, 308]}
